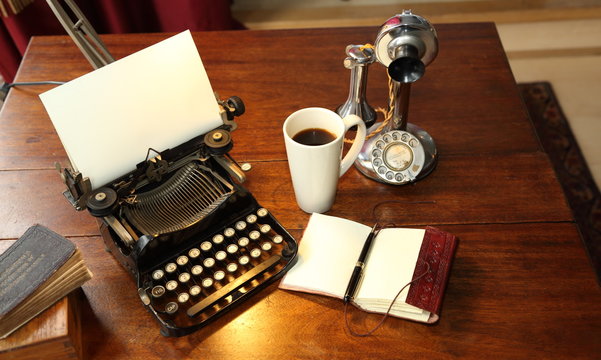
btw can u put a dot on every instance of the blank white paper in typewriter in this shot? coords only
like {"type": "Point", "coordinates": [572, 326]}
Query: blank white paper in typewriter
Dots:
{"type": "Point", "coordinates": [159, 97]}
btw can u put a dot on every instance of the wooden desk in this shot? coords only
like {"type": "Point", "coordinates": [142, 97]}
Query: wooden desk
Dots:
{"type": "Point", "coordinates": [521, 285]}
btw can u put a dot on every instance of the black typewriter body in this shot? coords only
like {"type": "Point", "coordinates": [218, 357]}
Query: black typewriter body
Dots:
{"type": "Point", "coordinates": [196, 242]}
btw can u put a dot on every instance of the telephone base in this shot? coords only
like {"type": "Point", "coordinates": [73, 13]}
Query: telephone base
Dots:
{"type": "Point", "coordinates": [427, 157]}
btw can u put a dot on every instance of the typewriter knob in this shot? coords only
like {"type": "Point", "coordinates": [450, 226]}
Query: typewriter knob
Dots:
{"type": "Point", "coordinates": [236, 105]}
{"type": "Point", "coordinates": [219, 141]}
{"type": "Point", "coordinates": [102, 201]}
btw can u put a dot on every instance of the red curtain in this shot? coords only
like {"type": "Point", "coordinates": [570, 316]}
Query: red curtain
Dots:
{"type": "Point", "coordinates": [111, 16]}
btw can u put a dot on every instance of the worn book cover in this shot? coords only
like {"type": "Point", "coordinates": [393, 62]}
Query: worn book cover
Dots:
{"type": "Point", "coordinates": [40, 268]}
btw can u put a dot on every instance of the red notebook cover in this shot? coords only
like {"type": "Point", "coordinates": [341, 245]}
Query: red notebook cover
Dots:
{"type": "Point", "coordinates": [437, 250]}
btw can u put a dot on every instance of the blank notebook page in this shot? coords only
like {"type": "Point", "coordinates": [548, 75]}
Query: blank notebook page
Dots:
{"type": "Point", "coordinates": [327, 255]}
{"type": "Point", "coordinates": [390, 265]}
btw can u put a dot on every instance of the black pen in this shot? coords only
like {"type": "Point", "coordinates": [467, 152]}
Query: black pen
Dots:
{"type": "Point", "coordinates": [358, 270]}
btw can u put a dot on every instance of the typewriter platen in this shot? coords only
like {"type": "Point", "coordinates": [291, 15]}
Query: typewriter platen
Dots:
{"type": "Point", "coordinates": [195, 240]}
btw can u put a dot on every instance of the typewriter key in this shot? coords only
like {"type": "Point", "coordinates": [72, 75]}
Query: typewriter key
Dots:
{"type": "Point", "coordinates": [170, 268]}
{"type": "Point", "coordinates": [262, 212]}
{"type": "Point", "coordinates": [243, 241]}
{"type": "Point", "coordinates": [183, 297]}
{"type": "Point", "coordinates": [229, 232]}
{"type": "Point", "coordinates": [182, 260]}
{"type": "Point", "coordinates": [171, 308]}
{"type": "Point", "coordinates": [184, 277]}
{"type": "Point", "coordinates": [195, 290]}
{"type": "Point", "coordinates": [251, 219]}
{"type": "Point", "coordinates": [265, 228]}
{"type": "Point", "coordinates": [243, 260]}
{"type": "Point", "coordinates": [255, 253]}
{"type": "Point", "coordinates": [218, 239]}
{"type": "Point", "coordinates": [220, 255]}
{"type": "Point", "coordinates": [206, 246]}
{"type": "Point", "coordinates": [209, 262]}
{"type": "Point", "coordinates": [196, 270]}
{"type": "Point", "coordinates": [266, 246]}
{"type": "Point", "coordinates": [194, 253]}
{"type": "Point", "coordinates": [232, 248]}
{"type": "Point", "coordinates": [232, 267]}
{"type": "Point", "coordinates": [171, 285]}
{"type": "Point", "coordinates": [158, 291]}
{"type": "Point", "coordinates": [277, 239]}
{"type": "Point", "coordinates": [207, 282]}
{"type": "Point", "coordinates": [254, 235]}
{"type": "Point", "coordinates": [240, 225]}
{"type": "Point", "coordinates": [219, 275]}
{"type": "Point", "coordinates": [157, 274]}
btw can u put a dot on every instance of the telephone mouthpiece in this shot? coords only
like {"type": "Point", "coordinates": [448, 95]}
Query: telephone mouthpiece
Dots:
{"type": "Point", "coordinates": [406, 69]}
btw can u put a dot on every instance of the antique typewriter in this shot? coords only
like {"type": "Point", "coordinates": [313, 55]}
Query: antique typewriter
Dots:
{"type": "Point", "coordinates": [196, 242]}
{"type": "Point", "coordinates": [194, 239]}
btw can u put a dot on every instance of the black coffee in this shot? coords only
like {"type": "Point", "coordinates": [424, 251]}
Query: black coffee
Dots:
{"type": "Point", "coordinates": [314, 137]}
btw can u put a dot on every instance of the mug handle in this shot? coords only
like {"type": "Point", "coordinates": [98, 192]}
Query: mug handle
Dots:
{"type": "Point", "coordinates": [350, 121]}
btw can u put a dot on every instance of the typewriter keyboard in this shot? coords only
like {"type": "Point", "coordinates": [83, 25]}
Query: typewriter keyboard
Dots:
{"type": "Point", "coordinates": [210, 275]}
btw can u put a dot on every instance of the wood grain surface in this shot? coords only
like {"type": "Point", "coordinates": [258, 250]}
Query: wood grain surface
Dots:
{"type": "Point", "coordinates": [521, 285]}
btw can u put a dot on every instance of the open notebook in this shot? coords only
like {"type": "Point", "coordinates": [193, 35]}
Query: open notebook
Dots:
{"type": "Point", "coordinates": [330, 248]}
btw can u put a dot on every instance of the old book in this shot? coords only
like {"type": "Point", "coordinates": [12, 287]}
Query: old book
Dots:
{"type": "Point", "coordinates": [39, 269]}
{"type": "Point", "coordinates": [329, 250]}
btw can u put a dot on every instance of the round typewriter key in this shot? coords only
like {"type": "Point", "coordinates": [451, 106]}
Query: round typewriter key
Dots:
{"type": "Point", "coordinates": [254, 235]}
{"type": "Point", "coordinates": [262, 212]}
{"type": "Point", "coordinates": [184, 277]}
{"type": "Point", "coordinates": [182, 260]}
{"type": "Point", "coordinates": [206, 246]}
{"type": "Point", "coordinates": [170, 268]}
{"type": "Point", "coordinates": [171, 308]}
{"type": "Point", "coordinates": [196, 270]}
{"type": "Point", "coordinates": [219, 275]}
{"type": "Point", "coordinates": [231, 267]}
{"type": "Point", "coordinates": [209, 262]}
{"type": "Point", "coordinates": [207, 282]}
{"type": "Point", "coordinates": [251, 219]}
{"type": "Point", "coordinates": [266, 246]}
{"type": "Point", "coordinates": [218, 239]}
{"type": "Point", "coordinates": [277, 239]}
{"type": "Point", "coordinates": [194, 253]}
{"type": "Point", "coordinates": [240, 225]}
{"type": "Point", "coordinates": [232, 248]}
{"type": "Point", "coordinates": [265, 228]}
{"type": "Point", "coordinates": [229, 232]}
{"type": "Point", "coordinates": [158, 291]}
{"type": "Point", "coordinates": [243, 241]}
{"type": "Point", "coordinates": [171, 285]}
{"type": "Point", "coordinates": [255, 253]}
{"type": "Point", "coordinates": [195, 290]}
{"type": "Point", "coordinates": [183, 297]}
{"type": "Point", "coordinates": [158, 274]}
{"type": "Point", "coordinates": [220, 255]}
{"type": "Point", "coordinates": [243, 260]}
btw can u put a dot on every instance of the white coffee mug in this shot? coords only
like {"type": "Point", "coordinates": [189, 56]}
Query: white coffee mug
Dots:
{"type": "Point", "coordinates": [315, 169]}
